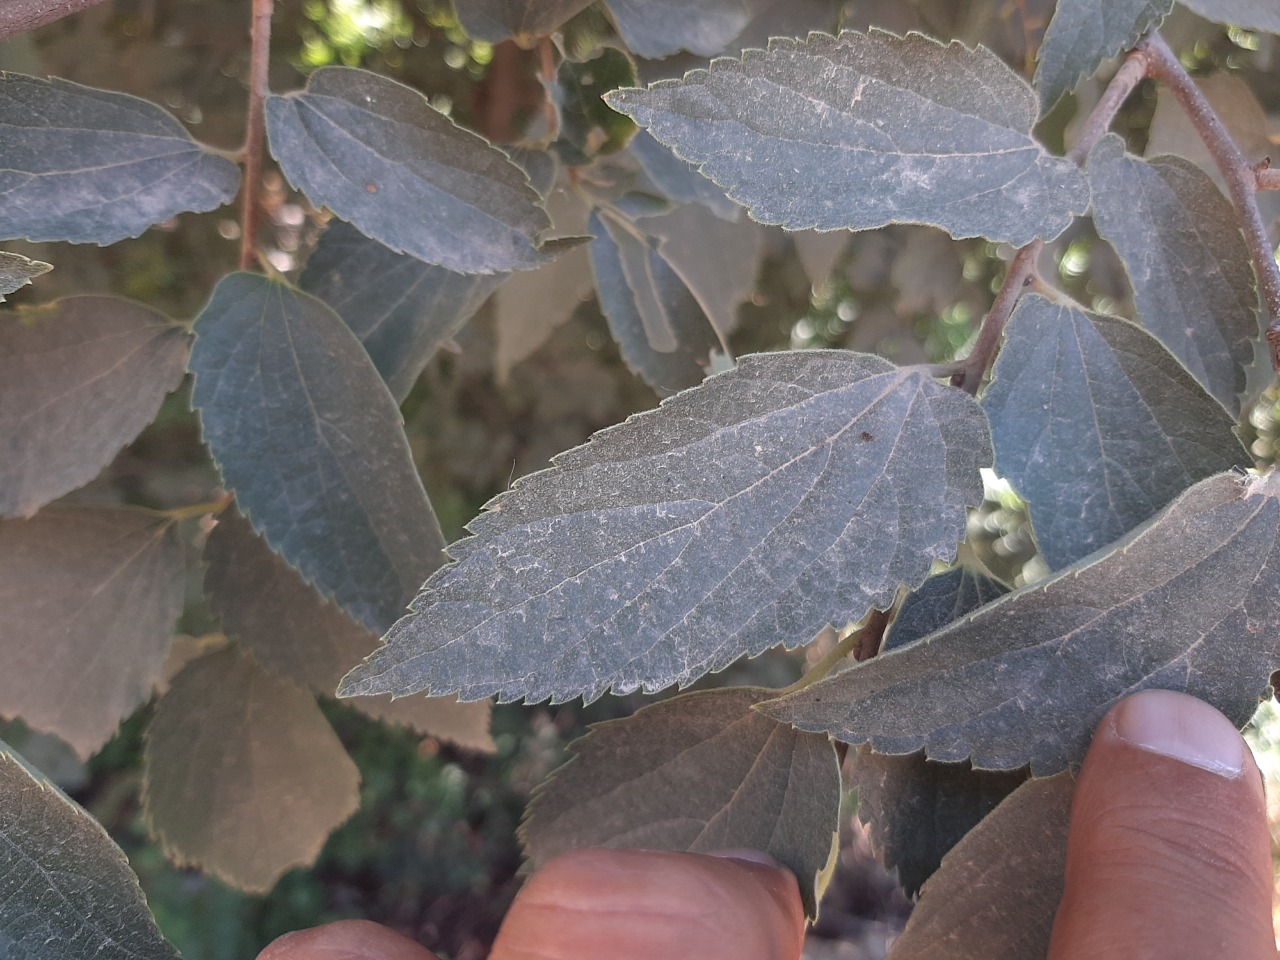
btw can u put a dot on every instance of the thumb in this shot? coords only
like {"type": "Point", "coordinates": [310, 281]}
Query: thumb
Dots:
{"type": "Point", "coordinates": [1168, 854]}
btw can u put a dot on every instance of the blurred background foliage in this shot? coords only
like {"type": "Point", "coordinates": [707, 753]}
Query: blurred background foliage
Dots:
{"type": "Point", "coordinates": [432, 849]}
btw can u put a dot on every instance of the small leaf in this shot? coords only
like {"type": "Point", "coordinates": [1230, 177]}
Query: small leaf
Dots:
{"type": "Point", "coordinates": [1083, 33]}
{"type": "Point", "coordinates": [939, 600]}
{"type": "Point", "coordinates": [998, 890]}
{"type": "Point", "coordinates": [664, 334]}
{"type": "Point", "coordinates": [93, 166]}
{"type": "Point", "coordinates": [659, 28]}
{"type": "Point", "coordinates": [1180, 241]}
{"type": "Point", "coordinates": [79, 379]}
{"type": "Point", "coordinates": [1250, 14]}
{"type": "Point", "coordinates": [1097, 426]}
{"type": "Point", "coordinates": [308, 437]}
{"type": "Point", "coordinates": [796, 489]}
{"type": "Point", "coordinates": [680, 180]}
{"type": "Point", "coordinates": [69, 893]}
{"type": "Point", "coordinates": [496, 20]}
{"type": "Point", "coordinates": [293, 631]}
{"type": "Point", "coordinates": [917, 810]}
{"type": "Point", "coordinates": [400, 308]}
{"type": "Point", "coordinates": [862, 130]}
{"type": "Point", "coordinates": [377, 154]}
{"type": "Point", "coordinates": [90, 597]}
{"type": "Point", "coordinates": [589, 128]}
{"type": "Point", "coordinates": [1188, 602]}
{"type": "Point", "coordinates": [16, 271]}
{"type": "Point", "coordinates": [243, 776]}
{"type": "Point", "coordinates": [698, 773]}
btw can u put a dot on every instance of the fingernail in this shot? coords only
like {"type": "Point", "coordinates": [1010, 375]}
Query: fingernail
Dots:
{"type": "Point", "coordinates": [745, 853]}
{"type": "Point", "coordinates": [1180, 727]}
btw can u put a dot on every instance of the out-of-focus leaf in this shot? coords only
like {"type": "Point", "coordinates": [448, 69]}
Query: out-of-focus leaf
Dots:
{"type": "Point", "coordinates": [496, 20]}
{"type": "Point", "coordinates": [664, 334]}
{"type": "Point", "coordinates": [1180, 241]}
{"type": "Point", "coordinates": [796, 489]}
{"type": "Point", "coordinates": [79, 379]}
{"type": "Point", "coordinates": [1083, 33]}
{"type": "Point", "coordinates": [293, 631]}
{"type": "Point", "coordinates": [659, 28]}
{"type": "Point", "coordinates": [939, 600]}
{"type": "Point", "coordinates": [243, 776]}
{"type": "Point", "coordinates": [308, 437]}
{"type": "Point", "coordinates": [68, 891]}
{"type": "Point", "coordinates": [699, 772]}
{"type": "Point", "coordinates": [917, 810]}
{"type": "Point", "coordinates": [16, 271]}
{"type": "Point", "coordinates": [862, 130]}
{"type": "Point", "coordinates": [589, 127]}
{"type": "Point", "coordinates": [680, 180]}
{"type": "Point", "coordinates": [1097, 426]}
{"type": "Point", "coordinates": [93, 166]}
{"type": "Point", "coordinates": [819, 252]}
{"type": "Point", "coordinates": [1188, 602]}
{"type": "Point", "coordinates": [1250, 14]}
{"type": "Point", "coordinates": [90, 597]}
{"type": "Point", "coordinates": [998, 890]}
{"type": "Point", "coordinates": [377, 154]}
{"type": "Point", "coordinates": [401, 308]}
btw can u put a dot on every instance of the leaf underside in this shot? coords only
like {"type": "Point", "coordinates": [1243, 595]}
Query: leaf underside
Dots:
{"type": "Point", "coordinates": [659, 28]}
{"type": "Point", "coordinates": [1250, 14]}
{"type": "Point", "coordinates": [496, 20]}
{"type": "Point", "coordinates": [16, 271]}
{"type": "Point", "coordinates": [939, 600]}
{"type": "Point", "coordinates": [798, 488]}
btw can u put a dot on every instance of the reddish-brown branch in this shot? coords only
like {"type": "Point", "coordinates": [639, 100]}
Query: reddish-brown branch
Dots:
{"type": "Point", "coordinates": [255, 131]}
{"type": "Point", "coordinates": [1241, 176]}
{"type": "Point", "coordinates": [871, 635]}
{"type": "Point", "coordinates": [1268, 179]}
{"type": "Point", "coordinates": [547, 70]}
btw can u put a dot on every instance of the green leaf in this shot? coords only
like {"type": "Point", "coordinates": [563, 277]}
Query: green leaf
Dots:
{"type": "Point", "coordinates": [90, 597]}
{"type": "Point", "coordinates": [377, 154]}
{"type": "Point", "coordinates": [1188, 602]}
{"type": "Point", "coordinates": [93, 166]}
{"type": "Point", "coordinates": [293, 631]}
{"type": "Point", "coordinates": [917, 810]}
{"type": "Point", "coordinates": [748, 512]}
{"type": "Point", "coordinates": [68, 891]}
{"type": "Point", "coordinates": [664, 334]}
{"type": "Point", "coordinates": [79, 379]}
{"type": "Point", "coordinates": [589, 127]}
{"type": "Point", "coordinates": [1180, 241]}
{"type": "Point", "coordinates": [496, 20]}
{"type": "Point", "coordinates": [680, 180]}
{"type": "Point", "coordinates": [400, 308]}
{"type": "Point", "coordinates": [16, 271]}
{"type": "Point", "coordinates": [1097, 426]}
{"type": "Point", "coordinates": [699, 772]}
{"type": "Point", "coordinates": [1083, 33]}
{"type": "Point", "coordinates": [939, 600]}
{"type": "Point", "coordinates": [242, 775]}
{"type": "Point", "coordinates": [862, 130]}
{"type": "Point", "coordinates": [310, 441]}
{"type": "Point", "coordinates": [659, 28]}
{"type": "Point", "coordinates": [1250, 14]}
{"type": "Point", "coordinates": [997, 892]}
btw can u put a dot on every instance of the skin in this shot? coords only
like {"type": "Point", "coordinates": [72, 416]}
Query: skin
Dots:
{"type": "Point", "coordinates": [1166, 859]}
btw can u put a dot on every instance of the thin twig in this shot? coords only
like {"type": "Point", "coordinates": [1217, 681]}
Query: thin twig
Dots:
{"type": "Point", "coordinates": [863, 643]}
{"type": "Point", "coordinates": [1022, 270]}
{"type": "Point", "coordinates": [255, 130]}
{"type": "Point", "coordinates": [547, 70]}
{"type": "Point", "coordinates": [1268, 179]}
{"type": "Point", "coordinates": [1240, 175]}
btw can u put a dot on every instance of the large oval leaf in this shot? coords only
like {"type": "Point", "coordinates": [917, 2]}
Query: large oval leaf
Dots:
{"type": "Point", "coordinates": [79, 379]}
{"type": "Point", "coordinates": [93, 166]}
{"type": "Point", "coordinates": [1190, 602]}
{"type": "Point", "coordinates": [377, 154]}
{"type": "Point", "coordinates": [309, 439]}
{"type": "Point", "coordinates": [700, 772]}
{"type": "Point", "coordinates": [797, 489]}
{"type": "Point", "coordinates": [1097, 426]}
{"type": "Point", "coordinates": [858, 131]}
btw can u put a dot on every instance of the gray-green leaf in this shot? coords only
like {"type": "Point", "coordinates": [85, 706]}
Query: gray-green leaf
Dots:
{"type": "Point", "coordinates": [1250, 14]}
{"type": "Point", "coordinates": [1180, 241]}
{"type": "Point", "coordinates": [939, 600]}
{"type": "Point", "coordinates": [496, 20]}
{"type": "Point", "coordinates": [862, 130]}
{"type": "Point", "coordinates": [93, 166]}
{"type": "Point", "coordinates": [659, 28]}
{"type": "Point", "coordinates": [1189, 602]}
{"type": "Point", "coordinates": [68, 891]}
{"type": "Point", "coordinates": [310, 441]}
{"type": "Point", "coordinates": [680, 180]}
{"type": "Point", "coordinates": [1097, 426]}
{"type": "Point", "coordinates": [16, 271]}
{"type": "Point", "coordinates": [79, 379]}
{"type": "Point", "coordinates": [377, 154]}
{"type": "Point", "coordinates": [796, 489]}
{"type": "Point", "coordinates": [699, 772]}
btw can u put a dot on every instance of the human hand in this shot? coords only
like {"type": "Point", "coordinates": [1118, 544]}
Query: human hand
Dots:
{"type": "Point", "coordinates": [1168, 856]}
